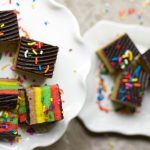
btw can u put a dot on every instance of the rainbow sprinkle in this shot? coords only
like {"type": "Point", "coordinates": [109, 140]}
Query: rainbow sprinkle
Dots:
{"type": "Point", "coordinates": [17, 4]}
{"type": "Point", "coordinates": [5, 66]}
{"type": "Point", "coordinates": [129, 82]}
{"type": "Point", "coordinates": [123, 60]}
{"type": "Point", "coordinates": [102, 90]}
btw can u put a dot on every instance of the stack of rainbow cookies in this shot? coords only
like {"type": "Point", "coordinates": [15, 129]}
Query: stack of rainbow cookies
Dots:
{"type": "Point", "coordinates": [8, 108]}
{"type": "Point", "coordinates": [31, 105]}
{"type": "Point", "coordinates": [122, 59]}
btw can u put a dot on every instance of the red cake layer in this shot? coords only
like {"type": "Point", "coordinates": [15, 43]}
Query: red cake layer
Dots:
{"type": "Point", "coordinates": [56, 102]}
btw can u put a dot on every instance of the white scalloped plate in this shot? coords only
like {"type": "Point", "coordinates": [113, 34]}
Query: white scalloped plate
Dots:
{"type": "Point", "coordinates": [52, 23]}
{"type": "Point", "coordinates": [99, 121]}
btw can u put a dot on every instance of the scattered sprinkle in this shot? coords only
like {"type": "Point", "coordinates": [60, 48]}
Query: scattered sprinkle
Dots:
{"type": "Point", "coordinates": [104, 87]}
{"type": "Point", "coordinates": [102, 108]}
{"type": "Point", "coordinates": [26, 53]}
{"type": "Point", "coordinates": [25, 32]}
{"type": "Point", "coordinates": [111, 145]}
{"type": "Point", "coordinates": [17, 4]}
{"type": "Point", "coordinates": [2, 25]}
{"type": "Point", "coordinates": [137, 85]}
{"type": "Point", "coordinates": [75, 71]}
{"type": "Point", "coordinates": [40, 67]}
{"type": "Point", "coordinates": [31, 43]}
{"type": "Point", "coordinates": [70, 50]}
{"type": "Point", "coordinates": [102, 90]}
{"type": "Point", "coordinates": [30, 131]}
{"type": "Point", "coordinates": [1, 33]}
{"type": "Point", "coordinates": [5, 66]}
{"type": "Point", "coordinates": [47, 68]}
{"type": "Point", "coordinates": [46, 23]}
{"type": "Point", "coordinates": [16, 12]}
{"type": "Point", "coordinates": [34, 51]}
{"type": "Point", "coordinates": [122, 13]}
{"type": "Point", "coordinates": [109, 96]}
{"type": "Point", "coordinates": [10, 1]}
{"type": "Point", "coordinates": [118, 46]}
{"type": "Point", "coordinates": [41, 52]}
{"type": "Point", "coordinates": [33, 6]}
{"type": "Point", "coordinates": [19, 19]}
{"type": "Point", "coordinates": [36, 60]}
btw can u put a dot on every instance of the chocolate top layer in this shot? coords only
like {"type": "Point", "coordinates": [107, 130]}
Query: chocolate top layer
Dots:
{"type": "Point", "coordinates": [146, 60]}
{"type": "Point", "coordinates": [9, 30]}
{"type": "Point", "coordinates": [36, 57]}
{"type": "Point", "coordinates": [133, 83]}
{"type": "Point", "coordinates": [115, 51]}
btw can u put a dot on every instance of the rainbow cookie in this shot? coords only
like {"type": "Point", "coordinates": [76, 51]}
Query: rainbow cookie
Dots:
{"type": "Point", "coordinates": [9, 31]}
{"type": "Point", "coordinates": [9, 124]}
{"type": "Point", "coordinates": [117, 54]}
{"type": "Point", "coordinates": [43, 104]}
{"type": "Point", "coordinates": [8, 93]}
{"type": "Point", "coordinates": [130, 86]}
{"type": "Point", "coordinates": [22, 111]}
{"type": "Point", "coordinates": [36, 57]}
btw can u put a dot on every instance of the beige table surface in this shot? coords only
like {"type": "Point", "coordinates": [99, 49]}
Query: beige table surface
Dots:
{"type": "Point", "coordinates": [88, 12]}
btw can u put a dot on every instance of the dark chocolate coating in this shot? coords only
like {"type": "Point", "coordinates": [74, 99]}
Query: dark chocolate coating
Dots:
{"type": "Point", "coordinates": [146, 60]}
{"type": "Point", "coordinates": [47, 58]}
{"type": "Point", "coordinates": [8, 101]}
{"type": "Point", "coordinates": [125, 44]}
{"type": "Point", "coordinates": [10, 29]}
{"type": "Point", "coordinates": [143, 79]}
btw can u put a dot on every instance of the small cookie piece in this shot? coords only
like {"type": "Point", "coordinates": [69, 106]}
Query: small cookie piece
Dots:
{"type": "Point", "coordinates": [9, 31]}
{"type": "Point", "coordinates": [144, 60]}
{"type": "Point", "coordinates": [22, 111]}
{"type": "Point", "coordinates": [8, 93]}
{"type": "Point", "coordinates": [43, 104]}
{"type": "Point", "coordinates": [36, 57]}
{"type": "Point", "coordinates": [130, 86]}
{"type": "Point", "coordinates": [117, 54]}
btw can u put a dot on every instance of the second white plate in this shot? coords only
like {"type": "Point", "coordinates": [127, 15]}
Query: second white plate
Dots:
{"type": "Point", "coordinates": [101, 121]}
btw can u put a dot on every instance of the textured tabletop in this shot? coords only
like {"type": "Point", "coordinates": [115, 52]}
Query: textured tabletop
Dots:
{"type": "Point", "coordinates": [88, 12]}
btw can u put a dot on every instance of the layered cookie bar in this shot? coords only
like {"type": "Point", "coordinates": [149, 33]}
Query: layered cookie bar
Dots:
{"type": "Point", "coordinates": [130, 86]}
{"type": "Point", "coordinates": [8, 93]}
{"type": "Point", "coordinates": [36, 57]}
{"type": "Point", "coordinates": [8, 124]}
{"type": "Point", "coordinates": [117, 54]}
{"type": "Point", "coordinates": [9, 31]}
{"type": "Point", "coordinates": [43, 104]}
